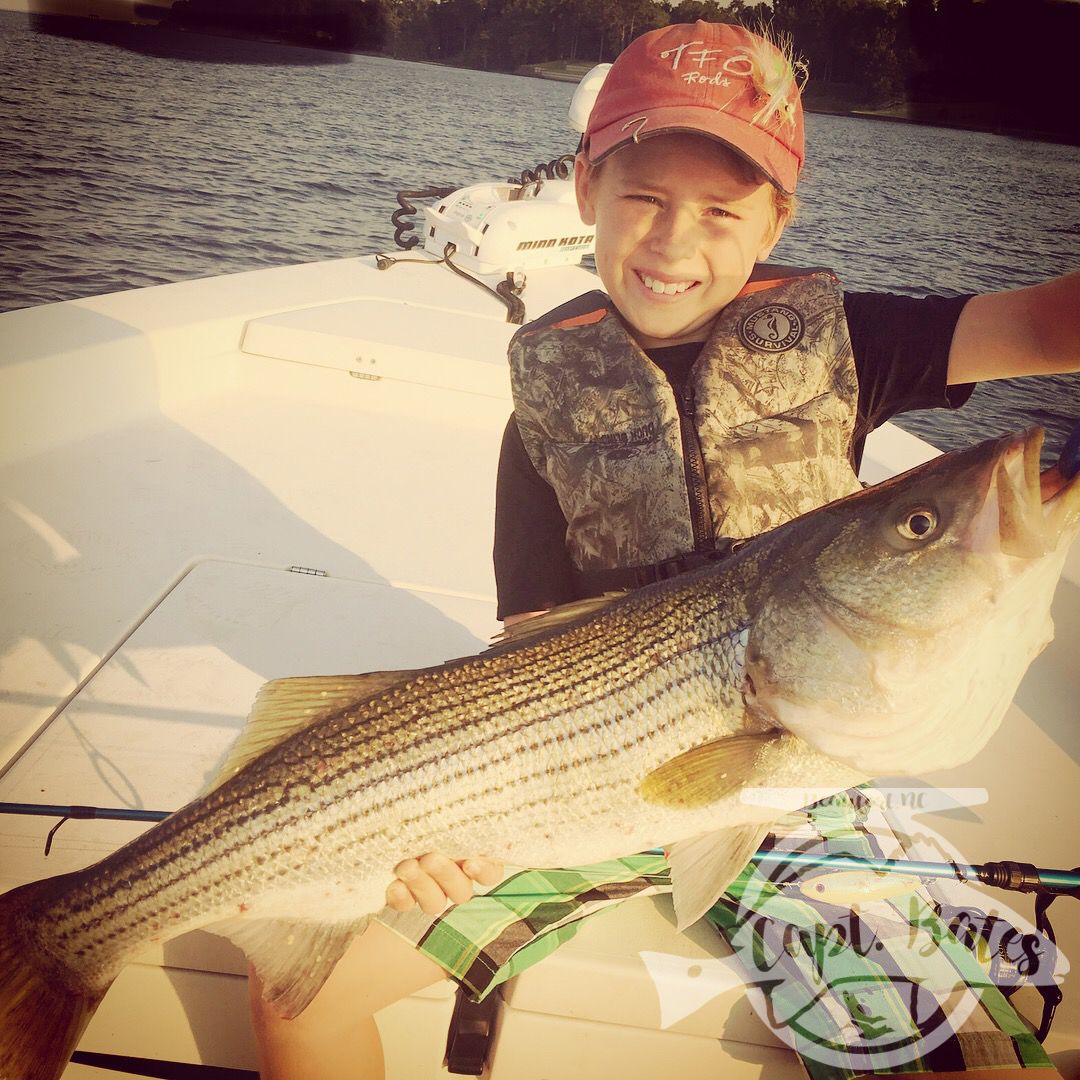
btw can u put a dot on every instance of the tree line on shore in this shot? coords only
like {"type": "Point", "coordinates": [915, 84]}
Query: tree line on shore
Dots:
{"type": "Point", "coordinates": [1004, 64]}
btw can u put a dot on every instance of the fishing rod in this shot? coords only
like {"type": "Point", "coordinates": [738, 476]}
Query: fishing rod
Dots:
{"type": "Point", "coordinates": [1047, 884]}
{"type": "Point", "coordinates": [65, 812]}
{"type": "Point", "coordinates": [1016, 876]}
{"type": "Point", "coordinates": [83, 813]}
{"type": "Point", "coordinates": [1019, 877]}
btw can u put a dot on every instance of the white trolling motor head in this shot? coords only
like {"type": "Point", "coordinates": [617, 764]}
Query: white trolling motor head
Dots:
{"type": "Point", "coordinates": [498, 228]}
{"type": "Point", "coordinates": [501, 228]}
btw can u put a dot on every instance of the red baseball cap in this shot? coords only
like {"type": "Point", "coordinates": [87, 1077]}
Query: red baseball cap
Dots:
{"type": "Point", "coordinates": [712, 79]}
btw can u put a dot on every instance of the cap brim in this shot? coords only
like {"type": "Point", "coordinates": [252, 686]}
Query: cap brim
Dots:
{"type": "Point", "coordinates": [779, 162]}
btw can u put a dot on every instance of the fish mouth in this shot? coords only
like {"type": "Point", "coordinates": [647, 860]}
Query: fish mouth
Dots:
{"type": "Point", "coordinates": [1026, 514]}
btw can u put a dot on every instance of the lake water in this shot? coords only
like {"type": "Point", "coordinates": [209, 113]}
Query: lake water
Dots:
{"type": "Point", "coordinates": [162, 156]}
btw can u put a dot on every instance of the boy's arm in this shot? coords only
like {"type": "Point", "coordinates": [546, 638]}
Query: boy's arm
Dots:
{"type": "Point", "coordinates": [1032, 331]}
{"type": "Point", "coordinates": [532, 567]}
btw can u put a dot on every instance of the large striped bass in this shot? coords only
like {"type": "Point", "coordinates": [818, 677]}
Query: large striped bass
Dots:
{"type": "Point", "coordinates": [882, 634]}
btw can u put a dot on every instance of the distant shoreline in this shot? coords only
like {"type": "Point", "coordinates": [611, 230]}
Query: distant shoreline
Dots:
{"type": "Point", "coordinates": [822, 98]}
{"type": "Point", "coordinates": [929, 119]}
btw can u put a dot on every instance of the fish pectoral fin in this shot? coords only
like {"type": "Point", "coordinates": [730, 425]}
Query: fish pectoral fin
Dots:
{"type": "Point", "coordinates": [284, 706]}
{"type": "Point", "coordinates": [292, 958]}
{"type": "Point", "coordinates": [705, 773]}
{"type": "Point", "coordinates": [552, 619]}
{"type": "Point", "coordinates": [704, 866]}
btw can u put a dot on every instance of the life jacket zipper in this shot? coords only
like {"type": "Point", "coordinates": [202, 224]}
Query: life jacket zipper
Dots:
{"type": "Point", "coordinates": [694, 467]}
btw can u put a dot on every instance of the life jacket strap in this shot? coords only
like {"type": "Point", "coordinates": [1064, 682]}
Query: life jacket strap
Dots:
{"type": "Point", "coordinates": [596, 582]}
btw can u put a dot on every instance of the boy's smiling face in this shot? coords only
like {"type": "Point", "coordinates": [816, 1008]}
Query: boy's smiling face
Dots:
{"type": "Point", "coordinates": [680, 224]}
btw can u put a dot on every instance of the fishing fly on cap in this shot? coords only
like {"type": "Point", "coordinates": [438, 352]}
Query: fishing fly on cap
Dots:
{"type": "Point", "coordinates": [777, 78]}
{"type": "Point", "coordinates": [712, 79]}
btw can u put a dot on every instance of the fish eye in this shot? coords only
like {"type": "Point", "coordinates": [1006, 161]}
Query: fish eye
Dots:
{"type": "Point", "coordinates": [918, 524]}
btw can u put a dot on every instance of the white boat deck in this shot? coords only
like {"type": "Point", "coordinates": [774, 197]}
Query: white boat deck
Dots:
{"type": "Point", "coordinates": [215, 483]}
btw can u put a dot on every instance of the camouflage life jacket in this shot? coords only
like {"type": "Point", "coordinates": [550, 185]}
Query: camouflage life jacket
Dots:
{"type": "Point", "coordinates": [762, 434]}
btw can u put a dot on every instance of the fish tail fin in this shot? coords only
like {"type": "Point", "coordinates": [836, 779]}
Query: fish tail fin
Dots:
{"type": "Point", "coordinates": [41, 1017]}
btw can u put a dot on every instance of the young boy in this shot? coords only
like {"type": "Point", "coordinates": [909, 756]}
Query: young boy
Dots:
{"type": "Point", "coordinates": [701, 400]}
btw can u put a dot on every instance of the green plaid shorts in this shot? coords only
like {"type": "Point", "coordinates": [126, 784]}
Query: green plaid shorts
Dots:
{"type": "Point", "coordinates": [883, 988]}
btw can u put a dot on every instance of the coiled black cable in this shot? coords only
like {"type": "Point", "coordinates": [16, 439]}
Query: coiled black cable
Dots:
{"type": "Point", "coordinates": [557, 169]}
{"type": "Point", "coordinates": [399, 218]}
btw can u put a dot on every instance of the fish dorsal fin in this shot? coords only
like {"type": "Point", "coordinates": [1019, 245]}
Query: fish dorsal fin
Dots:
{"type": "Point", "coordinates": [292, 958]}
{"type": "Point", "coordinates": [284, 706]}
{"type": "Point", "coordinates": [705, 773]}
{"type": "Point", "coordinates": [553, 618]}
{"type": "Point", "coordinates": [704, 866]}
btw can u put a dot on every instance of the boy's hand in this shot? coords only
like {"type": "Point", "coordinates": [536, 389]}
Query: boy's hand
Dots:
{"type": "Point", "coordinates": [435, 880]}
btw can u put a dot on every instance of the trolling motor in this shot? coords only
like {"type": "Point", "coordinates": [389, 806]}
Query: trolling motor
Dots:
{"type": "Point", "coordinates": [529, 222]}
{"type": "Point", "coordinates": [492, 229]}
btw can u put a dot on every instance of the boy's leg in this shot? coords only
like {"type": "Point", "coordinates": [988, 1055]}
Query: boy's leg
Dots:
{"type": "Point", "coordinates": [335, 1037]}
